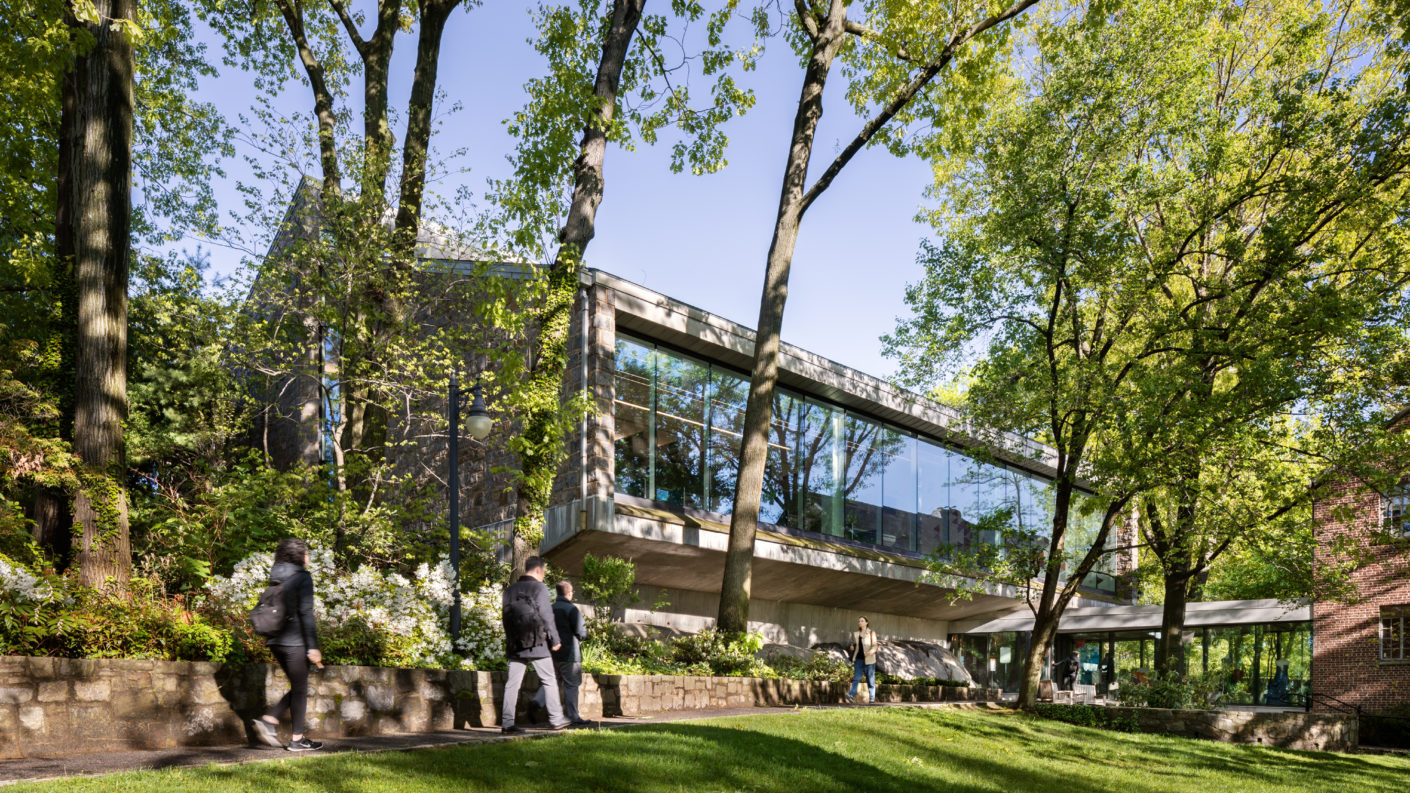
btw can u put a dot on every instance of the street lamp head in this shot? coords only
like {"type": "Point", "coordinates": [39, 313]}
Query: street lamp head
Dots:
{"type": "Point", "coordinates": [478, 423]}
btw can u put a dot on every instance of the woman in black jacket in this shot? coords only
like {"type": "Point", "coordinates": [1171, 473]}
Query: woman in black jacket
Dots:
{"type": "Point", "coordinates": [295, 647]}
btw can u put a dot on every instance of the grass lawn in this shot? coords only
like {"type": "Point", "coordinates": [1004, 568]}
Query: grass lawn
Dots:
{"type": "Point", "coordinates": [886, 749]}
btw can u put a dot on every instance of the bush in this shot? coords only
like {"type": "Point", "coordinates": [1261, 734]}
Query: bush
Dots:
{"type": "Point", "coordinates": [49, 615]}
{"type": "Point", "coordinates": [709, 652]}
{"type": "Point", "coordinates": [1173, 690]}
{"type": "Point", "coordinates": [818, 666]}
{"type": "Point", "coordinates": [372, 618]}
{"type": "Point", "coordinates": [1089, 716]}
{"type": "Point", "coordinates": [919, 681]}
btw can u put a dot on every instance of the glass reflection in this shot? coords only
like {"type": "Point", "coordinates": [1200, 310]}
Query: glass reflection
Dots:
{"type": "Point", "coordinates": [678, 427]}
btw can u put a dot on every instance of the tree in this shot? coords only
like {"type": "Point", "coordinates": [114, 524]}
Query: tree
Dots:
{"type": "Point", "coordinates": [93, 236]}
{"type": "Point", "coordinates": [174, 143]}
{"type": "Point", "coordinates": [592, 45]}
{"type": "Point", "coordinates": [897, 53]}
{"type": "Point", "coordinates": [1153, 288]}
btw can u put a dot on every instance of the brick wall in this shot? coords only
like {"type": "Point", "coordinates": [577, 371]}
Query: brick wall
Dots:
{"type": "Point", "coordinates": [1346, 657]}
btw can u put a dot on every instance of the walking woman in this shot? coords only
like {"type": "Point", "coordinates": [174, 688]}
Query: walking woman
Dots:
{"type": "Point", "coordinates": [862, 651]}
{"type": "Point", "coordinates": [294, 648]}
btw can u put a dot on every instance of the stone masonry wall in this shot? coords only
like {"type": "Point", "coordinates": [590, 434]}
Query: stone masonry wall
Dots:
{"type": "Point", "coordinates": [54, 706]}
{"type": "Point", "coordinates": [1306, 731]}
{"type": "Point", "coordinates": [1346, 661]}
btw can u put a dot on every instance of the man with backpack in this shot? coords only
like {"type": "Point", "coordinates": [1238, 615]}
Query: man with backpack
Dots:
{"type": "Point", "coordinates": [530, 638]}
{"type": "Point", "coordinates": [284, 617]}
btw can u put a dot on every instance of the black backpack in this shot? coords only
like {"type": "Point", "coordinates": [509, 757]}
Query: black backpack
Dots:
{"type": "Point", "coordinates": [271, 613]}
{"type": "Point", "coordinates": [523, 626]}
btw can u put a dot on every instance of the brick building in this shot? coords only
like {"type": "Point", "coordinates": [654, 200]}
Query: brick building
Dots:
{"type": "Point", "coordinates": [1362, 649]}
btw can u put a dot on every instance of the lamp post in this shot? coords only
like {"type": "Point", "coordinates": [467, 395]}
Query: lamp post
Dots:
{"type": "Point", "coordinates": [478, 423]}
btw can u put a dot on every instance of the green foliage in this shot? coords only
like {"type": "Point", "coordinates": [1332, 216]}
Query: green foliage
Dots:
{"type": "Point", "coordinates": [609, 584]}
{"type": "Point", "coordinates": [1089, 716]}
{"type": "Point", "coordinates": [77, 622]}
{"type": "Point", "coordinates": [653, 96]}
{"type": "Point", "coordinates": [818, 666]}
{"type": "Point", "coordinates": [919, 681]}
{"type": "Point", "coordinates": [1174, 690]}
{"type": "Point", "coordinates": [709, 652]}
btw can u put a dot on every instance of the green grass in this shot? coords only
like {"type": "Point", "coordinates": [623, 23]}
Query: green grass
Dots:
{"type": "Point", "coordinates": [886, 749]}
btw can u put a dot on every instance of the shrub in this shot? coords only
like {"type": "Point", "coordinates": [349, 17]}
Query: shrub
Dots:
{"type": "Point", "coordinates": [918, 681]}
{"type": "Point", "coordinates": [818, 666]}
{"type": "Point", "coordinates": [44, 614]}
{"type": "Point", "coordinates": [1089, 716]}
{"type": "Point", "coordinates": [372, 618]}
{"type": "Point", "coordinates": [709, 652]}
{"type": "Point", "coordinates": [1173, 690]}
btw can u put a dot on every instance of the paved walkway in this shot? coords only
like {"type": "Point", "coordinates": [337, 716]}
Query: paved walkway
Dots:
{"type": "Point", "coordinates": [95, 763]}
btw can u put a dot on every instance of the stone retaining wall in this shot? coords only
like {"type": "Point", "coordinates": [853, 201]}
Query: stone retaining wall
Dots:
{"type": "Point", "coordinates": [54, 706]}
{"type": "Point", "coordinates": [1289, 730]}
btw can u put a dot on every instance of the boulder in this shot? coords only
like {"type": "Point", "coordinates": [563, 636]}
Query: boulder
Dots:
{"type": "Point", "coordinates": [909, 660]}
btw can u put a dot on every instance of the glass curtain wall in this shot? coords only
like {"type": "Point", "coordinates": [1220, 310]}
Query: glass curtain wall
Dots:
{"type": "Point", "coordinates": [678, 430]}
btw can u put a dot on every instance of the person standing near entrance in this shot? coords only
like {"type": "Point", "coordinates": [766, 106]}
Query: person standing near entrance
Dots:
{"type": "Point", "coordinates": [568, 659]}
{"type": "Point", "coordinates": [294, 647]}
{"type": "Point", "coordinates": [530, 636]}
{"type": "Point", "coordinates": [862, 651]}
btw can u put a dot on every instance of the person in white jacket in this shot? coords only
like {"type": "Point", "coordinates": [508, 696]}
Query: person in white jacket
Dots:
{"type": "Point", "coordinates": [862, 651]}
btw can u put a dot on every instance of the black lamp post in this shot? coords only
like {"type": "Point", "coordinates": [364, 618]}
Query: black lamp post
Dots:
{"type": "Point", "coordinates": [478, 423]}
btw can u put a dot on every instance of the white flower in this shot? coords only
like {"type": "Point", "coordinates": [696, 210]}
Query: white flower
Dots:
{"type": "Point", "coordinates": [19, 582]}
{"type": "Point", "coordinates": [417, 609]}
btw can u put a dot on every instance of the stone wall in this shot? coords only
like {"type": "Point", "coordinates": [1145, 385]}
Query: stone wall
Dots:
{"type": "Point", "coordinates": [51, 706]}
{"type": "Point", "coordinates": [1306, 731]}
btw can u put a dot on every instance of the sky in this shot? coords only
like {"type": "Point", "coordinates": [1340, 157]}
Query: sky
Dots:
{"type": "Point", "coordinates": [699, 239]}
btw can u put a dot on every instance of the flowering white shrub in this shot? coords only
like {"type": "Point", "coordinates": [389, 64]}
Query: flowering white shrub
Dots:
{"type": "Point", "coordinates": [19, 584]}
{"type": "Point", "coordinates": [417, 610]}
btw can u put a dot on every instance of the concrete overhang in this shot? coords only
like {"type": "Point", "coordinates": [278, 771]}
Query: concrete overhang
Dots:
{"type": "Point", "coordinates": [687, 551]}
{"type": "Point", "coordinates": [653, 315]}
{"type": "Point", "coordinates": [1147, 618]}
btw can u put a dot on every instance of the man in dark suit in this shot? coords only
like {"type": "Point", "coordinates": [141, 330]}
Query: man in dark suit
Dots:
{"type": "Point", "coordinates": [568, 658]}
{"type": "Point", "coordinates": [530, 638]}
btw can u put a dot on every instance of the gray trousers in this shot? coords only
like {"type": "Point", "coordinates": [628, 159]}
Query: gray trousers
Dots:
{"type": "Point", "coordinates": [570, 674]}
{"type": "Point", "coordinates": [544, 668]}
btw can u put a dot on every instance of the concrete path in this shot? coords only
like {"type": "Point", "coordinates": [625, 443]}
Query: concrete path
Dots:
{"type": "Point", "coordinates": [33, 769]}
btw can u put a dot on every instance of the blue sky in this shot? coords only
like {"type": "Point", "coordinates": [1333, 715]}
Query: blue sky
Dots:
{"type": "Point", "coordinates": [700, 239]}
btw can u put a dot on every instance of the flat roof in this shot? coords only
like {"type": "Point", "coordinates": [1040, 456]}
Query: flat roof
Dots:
{"type": "Point", "coordinates": [1140, 618]}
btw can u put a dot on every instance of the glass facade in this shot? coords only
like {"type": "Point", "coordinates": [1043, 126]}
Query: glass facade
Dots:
{"type": "Point", "coordinates": [831, 471]}
{"type": "Point", "coordinates": [1264, 664]}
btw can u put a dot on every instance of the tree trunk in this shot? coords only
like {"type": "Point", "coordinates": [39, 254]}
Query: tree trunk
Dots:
{"type": "Point", "coordinates": [735, 587]}
{"type": "Point", "coordinates": [539, 462]}
{"type": "Point", "coordinates": [1169, 652]}
{"type": "Point", "coordinates": [97, 213]}
{"type": "Point", "coordinates": [418, 126]}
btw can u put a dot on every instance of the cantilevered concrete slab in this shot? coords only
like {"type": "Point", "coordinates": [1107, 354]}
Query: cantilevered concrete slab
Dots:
{"type": "Point", "coordinates": [685, 550]}
{"type": "Point", "coordinates": [1147, 618]}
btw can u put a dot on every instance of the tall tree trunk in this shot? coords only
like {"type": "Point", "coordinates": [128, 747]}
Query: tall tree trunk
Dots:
{"type": "Point", "coordinates": [1170, 647]}
{"type": "Point", "coordinates": [418, 125]}
{"type": "Point", "coordinates": [758, 411]}
{"type": "Point", "coordinates": [96, 197]}
{"type": "Point", "coordinates": [827, 35]}
{"type": "Point", "coordinates": [1051, 601]}
{"type": "Point", "coordinates": [539, 462]}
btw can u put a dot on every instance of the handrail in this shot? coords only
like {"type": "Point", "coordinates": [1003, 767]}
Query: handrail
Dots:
{"type": "Point", "coordinates": [1333, 702]}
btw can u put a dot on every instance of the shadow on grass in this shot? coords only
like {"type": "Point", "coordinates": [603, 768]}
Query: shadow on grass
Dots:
{"type": "Point", "coordinates": [1202, 764]}
{"type": "Point", "coordinates": [659, 757]}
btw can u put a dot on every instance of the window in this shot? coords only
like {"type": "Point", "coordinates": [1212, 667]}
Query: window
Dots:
{"type": "Point", "coordinates": [678, 427]}
{"type": "Point", "coordinates": [1395, 646]}
{"type": "Point", "coordinates": [1395, 511]}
